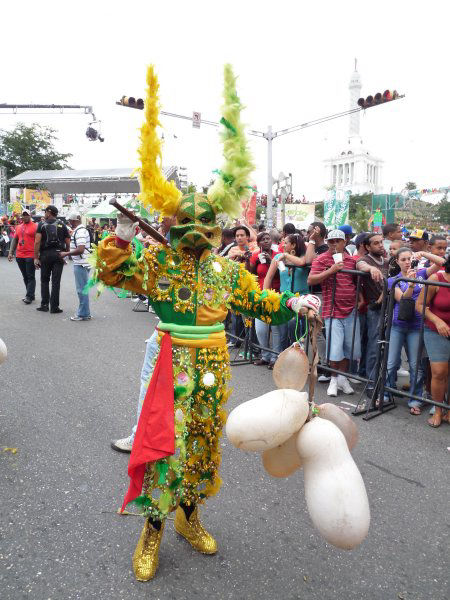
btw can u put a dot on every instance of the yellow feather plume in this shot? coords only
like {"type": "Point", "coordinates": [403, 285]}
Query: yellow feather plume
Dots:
{"type": "Point", "coordinates": [156, 192]}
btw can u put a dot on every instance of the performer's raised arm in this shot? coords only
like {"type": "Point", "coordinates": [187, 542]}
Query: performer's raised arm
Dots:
{"type": "Point", "coordinates": [117, 266]}
{"type": "Point", "coordinates": [267, 305]}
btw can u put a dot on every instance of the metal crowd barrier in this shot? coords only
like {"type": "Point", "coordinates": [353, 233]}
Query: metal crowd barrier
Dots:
{"type": "Point", "coordinates": [383, 370]}
{"type": "Point", "coordinates": [372, 403]}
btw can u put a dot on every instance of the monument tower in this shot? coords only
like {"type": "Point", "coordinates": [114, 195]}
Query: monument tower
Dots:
{"type": "Point", "coordinates": [353, 167]}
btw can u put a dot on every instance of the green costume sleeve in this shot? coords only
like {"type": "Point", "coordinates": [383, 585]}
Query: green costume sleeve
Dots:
{"type": "Point", "coordinates": [120, 268]}
{"type": "Point", "coordinates": [267, 305]}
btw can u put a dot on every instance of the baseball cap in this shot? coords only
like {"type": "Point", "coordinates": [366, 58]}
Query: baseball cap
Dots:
{"type": "Point", "coordinates": [335, 234]}
{"type": "Point", "coordinates": [26, 212]}
{"type": "Point", "coordinates": [73, 216]}
{"type": "Point", "coordinates": [360, 238]}
{"type": "Point", "coordinates": [419, 234]}
{"type": "Point", "coordinates": [51, 208]}
{"type": "Point", "coordinates": [347, 229]}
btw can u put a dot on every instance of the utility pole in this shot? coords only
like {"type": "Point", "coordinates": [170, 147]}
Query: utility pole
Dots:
{"type": "Point", "coordinates": [3, 192]}
{"type": "Point", "coordinates": [269, 137]}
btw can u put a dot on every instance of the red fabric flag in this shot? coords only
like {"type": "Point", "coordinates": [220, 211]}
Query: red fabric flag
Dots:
{"type": "Point", "coordinates": [155, 434]}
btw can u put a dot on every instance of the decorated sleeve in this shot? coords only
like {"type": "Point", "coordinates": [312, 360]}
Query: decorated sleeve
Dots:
{"type": "Point", "coordinates": [267, 305]}
{"type": "Point", "coordinates": [120, 268]}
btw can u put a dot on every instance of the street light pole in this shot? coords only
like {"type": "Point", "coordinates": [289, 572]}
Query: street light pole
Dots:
{"type": "Point", "coordinates": [269, 137]}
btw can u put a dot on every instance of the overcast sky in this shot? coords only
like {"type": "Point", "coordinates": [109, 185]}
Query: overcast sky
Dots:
{"type": "Point", "coordinates": [294, 60]}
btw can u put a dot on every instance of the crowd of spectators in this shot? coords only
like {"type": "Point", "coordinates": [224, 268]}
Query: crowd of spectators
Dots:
{"type": "Point", "coordinates": [314, 260]}
{"type": "Point", "coordinates": [319, 261]}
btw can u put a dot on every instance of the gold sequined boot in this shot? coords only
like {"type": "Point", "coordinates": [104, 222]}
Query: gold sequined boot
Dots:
{"type": "Point", "coordinates": [145, 557]}
{"type": "Point", "coordinates": [194, 532]}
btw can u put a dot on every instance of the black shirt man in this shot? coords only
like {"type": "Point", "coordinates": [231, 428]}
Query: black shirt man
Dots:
{"type": "Point", "coordinates": [52, 237]}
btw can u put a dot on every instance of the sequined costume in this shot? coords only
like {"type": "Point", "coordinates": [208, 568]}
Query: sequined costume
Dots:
{"type": "Point", "coordinates": [175, 456]}
{"type": "Point", "coordinates": [187, 292]}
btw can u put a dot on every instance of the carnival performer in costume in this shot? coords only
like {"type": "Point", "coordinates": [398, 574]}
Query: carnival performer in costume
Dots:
{"type": "Point", "coordinates": [175, 457]}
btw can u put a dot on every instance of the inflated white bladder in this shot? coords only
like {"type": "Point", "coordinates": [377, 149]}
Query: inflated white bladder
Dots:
{"type": "Point", "coordinates": [291, 368]}
{"type": "Point", "coordinates": [3, 351]}
{"type": "Point", "coordinates": [268, 421]}
{"type": "Point", "coordinates": [336, 415]}
{"type": "Point", "coordinates": [283, 460]}
{"type": "Point", "coordinates": [334, 489]}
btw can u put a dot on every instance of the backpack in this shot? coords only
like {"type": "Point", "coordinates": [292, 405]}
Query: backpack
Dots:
{"type": "Point", "coordinates": [91, 234]}
{"type": "Point", "coordinates": [90, 240]}
{"type": "Point", "coordinates": [52, 240]}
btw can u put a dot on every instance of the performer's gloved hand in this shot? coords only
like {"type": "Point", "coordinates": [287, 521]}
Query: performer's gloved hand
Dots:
{"type": "Point", "coordinates": [125, 231]}
{"type": "Point", "coordinates": [305, 301]}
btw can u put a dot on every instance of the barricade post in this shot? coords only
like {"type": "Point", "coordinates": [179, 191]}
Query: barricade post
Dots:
{"type": "Point", "coordinates": [386, 388]}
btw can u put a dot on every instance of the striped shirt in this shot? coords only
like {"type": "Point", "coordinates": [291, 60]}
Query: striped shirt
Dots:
{"type": "Point", "coordinates": [344, 299]}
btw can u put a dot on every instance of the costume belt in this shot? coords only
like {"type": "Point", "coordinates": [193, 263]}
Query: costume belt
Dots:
{"type": "Point", "coordinates": [155, 434]}
{"type": "Point", "coordinates": [194, 336]}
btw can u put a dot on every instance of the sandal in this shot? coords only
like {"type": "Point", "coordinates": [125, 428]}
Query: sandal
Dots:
{"type": "Point", "coordinates": [415, 410]}
{"type": "Point", "coordinates": [431, 422]}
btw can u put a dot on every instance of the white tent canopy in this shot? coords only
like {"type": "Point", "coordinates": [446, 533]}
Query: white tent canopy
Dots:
{"type": "Point", "coordinates": [98, 181]}
{"type": "Point", "coordinates": [105, 210]}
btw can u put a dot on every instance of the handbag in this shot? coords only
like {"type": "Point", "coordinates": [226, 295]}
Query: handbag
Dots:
{"type": "Point", "coordinates": [406, 309]}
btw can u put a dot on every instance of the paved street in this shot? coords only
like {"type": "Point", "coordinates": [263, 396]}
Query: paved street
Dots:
{"type": "Point", "coordinates": [68, 389]}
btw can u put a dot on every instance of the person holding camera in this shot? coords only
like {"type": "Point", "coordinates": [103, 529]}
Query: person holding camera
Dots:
{"type": "Point", "coordinates": [406, 324]}
{"type": "Point", "coordinates": [23, 244]}
{"type": "Point", "coordinates": [289, 267]}
{"type": "Point", "coordinates": [241, 252]}
{"type": "Point", "coordinates": [259, 265]}
{"type": "Point", "coordinates": [377, 266]}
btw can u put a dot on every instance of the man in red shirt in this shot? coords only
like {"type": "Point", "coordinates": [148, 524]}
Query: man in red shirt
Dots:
{"type": "Point", "coordinates": [339, 315]}
{"type": "Point", "coordinates": [23, 243]}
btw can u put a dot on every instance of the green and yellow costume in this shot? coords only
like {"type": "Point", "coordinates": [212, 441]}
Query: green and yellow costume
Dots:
{"type": "Point", "coordinates": [191, 297]}
{"type": "Point", "coordinates": [191, 290]}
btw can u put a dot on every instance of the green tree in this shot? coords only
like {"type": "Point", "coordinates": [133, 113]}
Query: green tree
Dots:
{"type": "Point", "coordinates": [30, 147]}
{"type": "Point", "coordinates": [443, 212]}
{"type": "Point", "coordinates": [410, 185]}
{"type": "Point", "coordinates": [359, 211]}
{"type": "Point", "coordinates": [318, 210]}
{"type": "Point", "coordinates": [360, 218]}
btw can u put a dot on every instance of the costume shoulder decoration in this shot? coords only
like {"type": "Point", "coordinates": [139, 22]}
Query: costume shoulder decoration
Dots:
{"type": "Point", "coordinates": [232, 185]}
{"type": "Point", "coordinates": [156, 192]}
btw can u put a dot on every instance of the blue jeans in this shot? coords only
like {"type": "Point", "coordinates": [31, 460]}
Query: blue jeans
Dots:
{"type": "Point", "coordinates": [81, 278]}
{"type": "Point", "coordinates": [287, 332]}
{"type": "Point", "coordinates": [373, 323]}
{"type": "Point", "coordinates": [409, 339]}
{"type": "Point", "coordinates": [358, 367]}
{"type": "Point", "coordinates": [146, 372]}
{"type": "Point", "coordinates": [262, 332]}
{"type": "Point", "coordinates": [342, 336]}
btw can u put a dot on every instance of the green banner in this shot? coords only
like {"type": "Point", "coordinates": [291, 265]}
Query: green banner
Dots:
{"type": "Point", "coordinates": [335, 208]}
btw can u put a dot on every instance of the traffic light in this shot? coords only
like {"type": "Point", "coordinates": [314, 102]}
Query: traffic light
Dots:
{"type": "Point", "coordinates": [379, 98]}
{"type": "Point", "coordinates": [131, 102]}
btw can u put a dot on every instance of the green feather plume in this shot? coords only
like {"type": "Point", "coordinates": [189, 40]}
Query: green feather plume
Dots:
{"type": "Point", "coordinates": [233, 184]}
